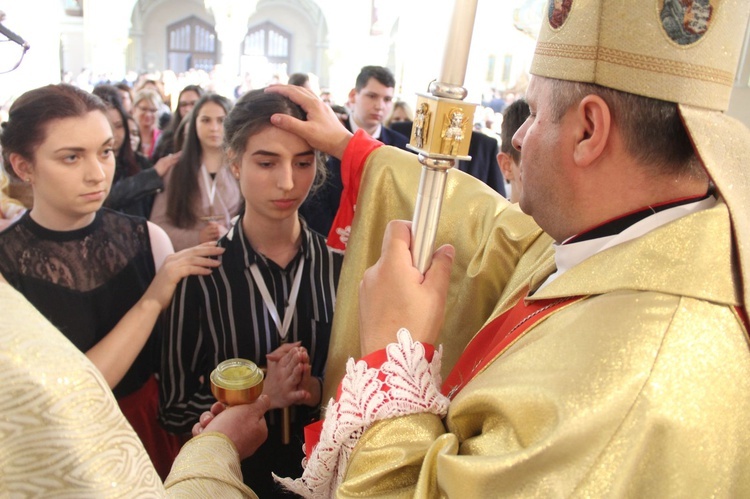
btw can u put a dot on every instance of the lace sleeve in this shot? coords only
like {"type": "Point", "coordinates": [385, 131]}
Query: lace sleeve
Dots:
{"type": "Point", "coordinates": [405, 384]}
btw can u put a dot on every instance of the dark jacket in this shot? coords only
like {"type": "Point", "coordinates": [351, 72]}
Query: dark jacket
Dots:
{"type": "Point", "coordinates": [134, 195]}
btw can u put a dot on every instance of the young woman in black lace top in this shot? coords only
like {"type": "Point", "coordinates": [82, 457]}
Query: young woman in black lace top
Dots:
{"type": "Point", "coordinates": [101, 277]}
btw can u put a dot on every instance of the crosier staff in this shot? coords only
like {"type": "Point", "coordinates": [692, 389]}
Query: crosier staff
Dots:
{"type": "Point", "coordinates": [441, 132]}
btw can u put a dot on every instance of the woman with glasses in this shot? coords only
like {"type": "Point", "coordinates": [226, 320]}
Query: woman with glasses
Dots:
{"type": "Point", "coordinates": [146, 106]}
{"type": "Point", "coordinates": [201, 195]}
{"type": "Point", "coordinates": [185, 103]}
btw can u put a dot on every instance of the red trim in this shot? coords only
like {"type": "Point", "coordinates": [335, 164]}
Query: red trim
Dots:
{"type": "Point", "coordinates": [743, 317]}
{"type": "Point", "coordinates": [352, 165]}
{"type": "Point", "coordinates": [496, 337]}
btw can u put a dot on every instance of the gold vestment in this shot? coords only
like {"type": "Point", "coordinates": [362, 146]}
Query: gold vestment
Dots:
{"type": "Point", "coordinates": [62, 432]}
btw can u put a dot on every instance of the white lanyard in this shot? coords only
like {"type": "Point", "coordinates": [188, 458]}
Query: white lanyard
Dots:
{"type": "Point", "coordinates": [291, 302]}
{"type": "Point", "coordinates": [210, 185]}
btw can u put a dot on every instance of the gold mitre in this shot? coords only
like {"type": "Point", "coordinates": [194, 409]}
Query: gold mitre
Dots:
{"type": "Point", "coordinates": [682, 51]}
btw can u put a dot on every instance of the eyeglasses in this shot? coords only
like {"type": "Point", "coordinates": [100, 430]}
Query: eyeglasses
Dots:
{"type": "Point", "coordinates": [147, 110]}
{"type": "Point", "coordinates": [187, 103]}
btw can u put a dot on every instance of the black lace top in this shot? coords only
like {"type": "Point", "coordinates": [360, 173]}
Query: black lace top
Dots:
{"type": "Point", "coordinates": [84, 280]}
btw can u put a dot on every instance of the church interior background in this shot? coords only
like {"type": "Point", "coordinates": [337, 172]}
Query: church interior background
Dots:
{"type": "Point", "coordinates": [255, 42]}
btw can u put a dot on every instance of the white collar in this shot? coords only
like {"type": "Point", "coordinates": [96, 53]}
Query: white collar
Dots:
{"type": "Point", "coordinates": [569, 255]}
{"type": "Point", "coordinates": [354, 128]}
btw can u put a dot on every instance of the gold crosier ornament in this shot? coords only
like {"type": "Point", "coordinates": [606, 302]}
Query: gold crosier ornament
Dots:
{"type": "Point", "coordinates": [441, 132]}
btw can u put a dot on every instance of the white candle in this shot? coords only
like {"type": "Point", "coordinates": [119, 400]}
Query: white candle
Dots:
{"type": "Point", "coordinates": [457, 44]}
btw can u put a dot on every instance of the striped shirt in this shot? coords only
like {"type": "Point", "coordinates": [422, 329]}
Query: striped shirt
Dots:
{"type": "Point", "coordinates": [222, 316]}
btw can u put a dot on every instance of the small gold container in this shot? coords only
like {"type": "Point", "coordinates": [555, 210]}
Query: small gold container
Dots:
{"type": "Point", "coordinates": [236, 381]}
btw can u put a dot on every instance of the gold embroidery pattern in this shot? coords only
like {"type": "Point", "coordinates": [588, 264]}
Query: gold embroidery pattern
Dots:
{"type": "Point", "coordinates": [636, 61]}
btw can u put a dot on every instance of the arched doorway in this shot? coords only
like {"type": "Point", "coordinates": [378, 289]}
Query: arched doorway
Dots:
{"type": "Point", "coordinates": [266, 46]}
{"type": "Point", "coordinates": [191, 44]}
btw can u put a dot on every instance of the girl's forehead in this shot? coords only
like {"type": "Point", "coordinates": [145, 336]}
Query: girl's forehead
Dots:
{"type": "Point", "coordinates": [91, 128]}
{"type": "Point", "coordinates": [211, 108]}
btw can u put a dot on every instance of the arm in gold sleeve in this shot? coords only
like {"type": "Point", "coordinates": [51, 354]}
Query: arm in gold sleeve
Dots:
{"type": "Point", "coordinates": [490, 236]}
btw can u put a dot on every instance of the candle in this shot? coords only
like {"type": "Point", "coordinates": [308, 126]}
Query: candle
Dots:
{"type": "Point", "coordinates": [458, 42]}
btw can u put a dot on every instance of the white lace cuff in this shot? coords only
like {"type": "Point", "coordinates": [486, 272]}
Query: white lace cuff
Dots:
{"type": "Point", "coordinates": [405, 384]}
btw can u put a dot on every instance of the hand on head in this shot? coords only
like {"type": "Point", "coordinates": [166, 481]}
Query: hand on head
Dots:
{"type": "Point", "coordinates": [191, 261]}
{"type": "Point", "coordinates": [323, 130]}
{"type": "Point", "coordinates": [393, 294]}
{"type": "Point", "coordinates": [287, 376]}
{"type": "Point", "coordinates": [244, 425]}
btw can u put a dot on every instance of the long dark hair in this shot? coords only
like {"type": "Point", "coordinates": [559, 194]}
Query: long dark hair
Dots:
{"type": "Point", "coordinates": [29, 115]}
{"type": "Point", "coordinates": [126, 155]}
{"type": "Point", "coordinates": [183, 185]}
{"type": "Point", "coordinates": [177, 116]}
{"type": "Point", "coordinates": [252, 114]}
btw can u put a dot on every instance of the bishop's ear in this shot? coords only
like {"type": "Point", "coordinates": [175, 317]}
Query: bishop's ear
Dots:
{"type": "Point", "coordinates": [594, 128]}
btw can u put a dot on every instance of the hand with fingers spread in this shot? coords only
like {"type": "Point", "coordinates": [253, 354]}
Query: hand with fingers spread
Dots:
{"type": "Point", "coordinates": [191, 261]}
{"type": "Point", "coordinates": [244, 425]}
{"type": "Point", "coordinates": [288, 376]}
{"type": "Point", "coordinates": [393, 294]}
{"type": "Point", "coordinates": [322, 130]}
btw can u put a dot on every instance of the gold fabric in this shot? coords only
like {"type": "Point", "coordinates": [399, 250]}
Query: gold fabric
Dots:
{"type": "Point", "coordinates": [626, 45]}
{"type": "Point", "coordinates": [62, 433]}
{"type": "Point", "coordinates": [721, 140]}
{"type": "Point", "coordinates": [642, 389]}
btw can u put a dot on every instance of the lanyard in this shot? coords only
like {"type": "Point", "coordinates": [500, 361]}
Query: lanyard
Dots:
{"type": "Point", "coordinates": [210, 185]}
{"type": "Point", "coordinates": [291, 302]}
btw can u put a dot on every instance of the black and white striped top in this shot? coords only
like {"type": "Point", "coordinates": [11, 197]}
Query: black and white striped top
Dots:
{"type": "Point", "coordinates": [222, 315]}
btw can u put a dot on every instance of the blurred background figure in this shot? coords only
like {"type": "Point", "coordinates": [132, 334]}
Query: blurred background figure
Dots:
{"type": "Point", "coordinates": [126, 96]}
{"type": "Point", "coordinates": [300, 80]}
{"type": "Point", "coordinates": [146, 107]}
{"type": "Point", "coordinates": [186, 101]}
{"type": "Point", "coordinates": [135, 182]}
{"type": "Point", "coordinates": [325, 96]}
{"type": "Point", "coordinates": [10, 209]}
{"type": "Point", "coordinates": [200, 196]}
{"type": "Point", "coordinates": [400, 113]}
{"type": "Point", "coordinates": [509, 157]}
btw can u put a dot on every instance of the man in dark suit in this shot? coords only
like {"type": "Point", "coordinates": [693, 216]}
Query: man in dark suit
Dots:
{"type": "Point", "coordinates": [372, 99]}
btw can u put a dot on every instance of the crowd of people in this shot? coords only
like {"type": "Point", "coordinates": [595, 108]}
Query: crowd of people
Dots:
{"type": "Point", "coordinates": [585, 336]}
